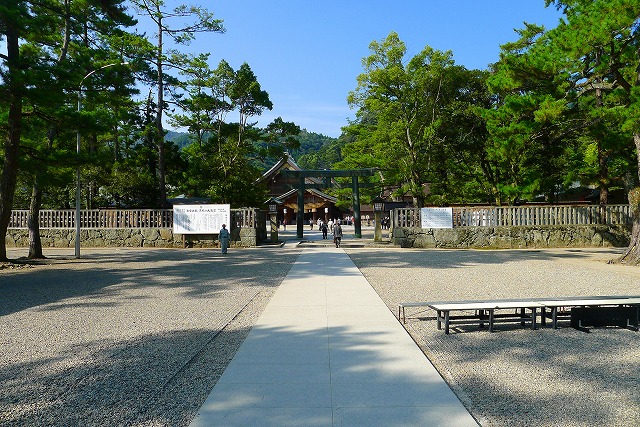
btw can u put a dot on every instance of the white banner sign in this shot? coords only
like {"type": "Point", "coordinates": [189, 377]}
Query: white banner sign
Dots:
{"type": "Point", "coordinates": [436, 217]}
{"type": "Point", "coordinates": [200, 219]}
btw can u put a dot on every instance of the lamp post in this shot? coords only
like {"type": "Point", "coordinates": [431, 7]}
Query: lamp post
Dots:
{"type": "Point", "coordinates": [273, 204]}
{"type": "Point", "coordinates": [378, 206]}
{"type": "Point", "coordinates": [78, 137]}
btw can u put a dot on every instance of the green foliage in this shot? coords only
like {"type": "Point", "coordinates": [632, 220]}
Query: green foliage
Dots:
{"type": "Point", "coordinates": [404, 125]}
{"type": "Point", "coordinates": [225, 159]}
{"type": "Point", "coordinates": [566, 110]}
{"type": "Point", "coordinates": [182, 140]}
{"type": "Point", "coordinates": [560, 106]}
{"type": "Point", "coordinates": [318, 151]}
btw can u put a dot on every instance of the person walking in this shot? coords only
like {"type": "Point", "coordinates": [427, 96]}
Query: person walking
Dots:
{"type": "Point", "coordinates": [337, 234]}
{"type": "Point", "coordinates": [324, 228]}
{"type": "Point", "coordinates": [224, 237]}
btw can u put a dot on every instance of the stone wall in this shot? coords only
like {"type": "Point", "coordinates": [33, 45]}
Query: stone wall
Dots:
{"type": "Point", "coordinates": [514, 237]}
{"type": "Point", "coordinates": [129, 237]}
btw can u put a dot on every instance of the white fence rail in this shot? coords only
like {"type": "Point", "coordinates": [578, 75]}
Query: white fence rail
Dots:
{"type": "Point", "coordinates": [122, 218]}
{"type": "Point", "coordinates": [505, 216]}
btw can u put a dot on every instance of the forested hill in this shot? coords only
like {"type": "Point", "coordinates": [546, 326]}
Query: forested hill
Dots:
{"type": "Point", "coordinates": [181, 139]}
{"type": "Point", "coordinates": [317, 151]}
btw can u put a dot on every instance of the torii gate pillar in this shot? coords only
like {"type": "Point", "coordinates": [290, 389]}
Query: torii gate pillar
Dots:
{"type": "Point", "coordinates": [357, 223]}
{"type": "Point", "coordinates": [354, 174]}
{"type": "Point", "coordinates": [300, 213]}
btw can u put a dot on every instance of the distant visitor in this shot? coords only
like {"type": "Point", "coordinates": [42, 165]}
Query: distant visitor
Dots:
{"type": "Point", "coordinates": [224, 238]}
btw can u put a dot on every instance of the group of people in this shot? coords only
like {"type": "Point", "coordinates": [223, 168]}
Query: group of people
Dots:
{"type": "Point", "coordinates": [384, 223]}
{"type": "Point", "coordinates": [334, 227]}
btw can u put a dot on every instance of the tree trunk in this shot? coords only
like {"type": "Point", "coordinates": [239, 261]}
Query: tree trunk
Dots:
{"type": "Point", "coordinates": [603, 167]}
{"type": "Point", "coordinates": [632, 254]}
{"type": "Point", "coordinates": [35, 244]}
{"type": "Point", "coordinates": [159, 111]}
{"type": "Point", "coordinates": [12, 143]}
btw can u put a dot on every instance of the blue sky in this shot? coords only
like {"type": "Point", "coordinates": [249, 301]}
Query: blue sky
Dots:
{"type": "Point", "coordinates": [307, 55]}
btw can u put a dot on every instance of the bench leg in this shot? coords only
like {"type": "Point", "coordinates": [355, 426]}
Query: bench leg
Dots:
{"type": "Point", "coordinates": [554, 317]}
{"type": "Point", "coordinates": [582, 328]}
{"type": "Point", "coordinates": [522, 315]}
{"type": "Point", "coordinates": [439, 319]}
{"type": "Point", "coordinates": [543, 316]}
{"type": "Point", "coordinates": [481, 317]}
{"type": "Point", "coordinates": [533, 318]}
{"type": "Point", "coordinates": [490, 320]}
{"type": "Point", "coordinates": [446, 322]}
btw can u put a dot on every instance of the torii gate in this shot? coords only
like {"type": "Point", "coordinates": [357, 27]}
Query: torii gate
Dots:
{"type": "Point", "coordinates": [327, 175]}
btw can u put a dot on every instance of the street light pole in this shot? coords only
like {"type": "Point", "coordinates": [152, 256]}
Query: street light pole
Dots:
{"type": "Point", "coordinates": [78, 138]}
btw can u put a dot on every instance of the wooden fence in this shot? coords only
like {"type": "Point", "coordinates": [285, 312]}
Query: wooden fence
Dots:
{"type": "Point", "coordinates": [404, 217]}
{"type": "Point", "coordinates": [123, 218]}
{"type": "Point", "coordinates": [507, 216]}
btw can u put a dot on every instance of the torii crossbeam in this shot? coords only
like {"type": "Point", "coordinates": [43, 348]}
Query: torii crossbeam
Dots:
{"type": "Point", "coordinates": [323, 173]}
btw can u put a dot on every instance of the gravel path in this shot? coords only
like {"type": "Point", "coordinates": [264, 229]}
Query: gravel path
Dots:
{"type": "Point", "coordinates": [126, 337]}
{"type": "Point", "coordinates": [515, 376]}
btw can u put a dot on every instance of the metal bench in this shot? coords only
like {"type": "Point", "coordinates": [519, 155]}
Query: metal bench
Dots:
{"type": "Point", "coordinates": [620, 316]}
{"type": "Point", "coordinates": [485, 311]}
{"type": "Point", "coordinates": [556, 306]}
{"type": "Point", "coordinates": [403, 305]}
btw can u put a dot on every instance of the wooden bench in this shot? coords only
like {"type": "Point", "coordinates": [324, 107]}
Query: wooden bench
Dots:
{"type": "Point", "coordinates": [485, 312]}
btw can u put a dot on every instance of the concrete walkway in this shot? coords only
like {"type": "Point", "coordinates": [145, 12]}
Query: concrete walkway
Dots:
{"type": "Point", "coordinates": [328, 352]}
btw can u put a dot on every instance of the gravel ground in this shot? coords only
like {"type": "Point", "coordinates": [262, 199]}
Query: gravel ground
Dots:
{"type": "Point", "coordinates": [140, 337]}
{"type": "Point", "coordinates": [126, 337]}
{"type": "Point", "coordinates": [516, 376]}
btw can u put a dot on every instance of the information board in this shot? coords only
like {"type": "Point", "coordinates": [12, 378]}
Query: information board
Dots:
{"type": "Point", "coordinates": [436, 217]}
{"type": "Point", "coordinates": [200, 219]}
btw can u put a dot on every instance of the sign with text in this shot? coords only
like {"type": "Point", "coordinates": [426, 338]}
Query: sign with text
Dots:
{"type": "Point", "coordinates": [436, 217]}
{"type": "Point", "coordinates": [200, 219]}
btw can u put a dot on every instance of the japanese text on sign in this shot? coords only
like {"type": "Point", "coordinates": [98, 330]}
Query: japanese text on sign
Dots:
{"type": "Point", "coordinates": [200, 219]}
{"type": "Point", "coordinates": [436, 217]}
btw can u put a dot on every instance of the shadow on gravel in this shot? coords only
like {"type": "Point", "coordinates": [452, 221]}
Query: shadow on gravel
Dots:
{"type": "Point", "coordinates": [162, 379]}
{"type": "Point", "coordinates": [194, 273]}
{"type": "Point", "coordinates": [516, 376]}
{"type": "Point", "coordinates": [459, 258]}
{"type": "Point", "coordinates": [558, 377]}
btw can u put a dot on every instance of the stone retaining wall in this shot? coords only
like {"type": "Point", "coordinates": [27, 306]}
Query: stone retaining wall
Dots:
{"type": "Point", "coordinates": [129, 237]}
{"type": "Point", "coordinates": [514, 237]}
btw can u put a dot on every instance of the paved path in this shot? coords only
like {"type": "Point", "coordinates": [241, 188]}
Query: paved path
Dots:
{"type": "Point", "coordinates": [327, 352]}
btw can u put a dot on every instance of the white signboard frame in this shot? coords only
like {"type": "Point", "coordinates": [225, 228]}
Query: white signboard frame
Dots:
{"type": "Point", "coordinates": [436, 217]}
{"type": "Point", "coordinates": [200, 219]}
